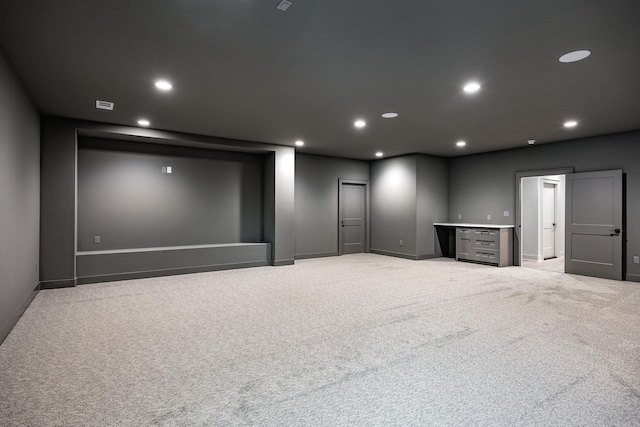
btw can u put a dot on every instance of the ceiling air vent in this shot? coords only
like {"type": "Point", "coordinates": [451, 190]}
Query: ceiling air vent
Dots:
{"type": "Point", "coordinates": [104, 105]}
{"type": "Point", "coordinates": [284, 5]}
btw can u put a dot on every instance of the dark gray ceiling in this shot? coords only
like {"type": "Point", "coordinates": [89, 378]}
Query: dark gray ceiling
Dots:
{"type": "Point", "coordinates": [243, 69]}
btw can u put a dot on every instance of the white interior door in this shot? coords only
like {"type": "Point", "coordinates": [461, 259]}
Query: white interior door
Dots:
{"type": "Point", "coordinates": [549, 195]}
{"type": "Point", "coordinates": [594, 224]}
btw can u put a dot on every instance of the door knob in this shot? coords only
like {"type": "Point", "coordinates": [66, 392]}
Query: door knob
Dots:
{"type": "Point", "coordinates": [616, 232]}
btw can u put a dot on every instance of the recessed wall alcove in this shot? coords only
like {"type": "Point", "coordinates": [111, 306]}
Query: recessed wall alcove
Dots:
{"type": "Point", "coordinates": [137, 195]}
{"type": "Point", "coordinates": [152, 203]}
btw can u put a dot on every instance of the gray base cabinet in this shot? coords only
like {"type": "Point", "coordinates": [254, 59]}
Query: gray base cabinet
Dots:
{"type": "Point", "coordinates": [486, 245]}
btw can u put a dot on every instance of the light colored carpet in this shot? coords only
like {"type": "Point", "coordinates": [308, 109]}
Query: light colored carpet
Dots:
{"type": "Point", "coordinates": [554, 264]}
{"type": "Point", "coordinates": [362, 340]}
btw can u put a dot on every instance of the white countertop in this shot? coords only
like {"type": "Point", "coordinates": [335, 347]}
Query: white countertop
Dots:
{"type": "Point", "coordinates": [453, 224]}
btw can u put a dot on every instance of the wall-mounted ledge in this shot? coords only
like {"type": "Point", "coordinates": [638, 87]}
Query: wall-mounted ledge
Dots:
{"type": "Point", "coordinates": [454, 224]}
{"type": "Point", "coordinates": [166, 248]}
{"type": "Point", "coordinates": [100, 266]}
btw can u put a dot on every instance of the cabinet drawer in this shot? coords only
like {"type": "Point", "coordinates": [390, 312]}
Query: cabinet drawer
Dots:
{"type": "Point", "coordinates": [485, 242]}
{"type": "Point", "coordinates": [485, 255]}
{"type": "Point", "coordinates": [485, 232]}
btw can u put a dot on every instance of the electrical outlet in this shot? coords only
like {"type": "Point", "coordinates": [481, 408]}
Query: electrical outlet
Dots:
{"type": "Point", "coordinates": [488, 217]}
{"type": "Point", "coordinates": [506, 213]}
{"type": "Point", "coordinates": [459, 216]}
{"type": "Point", "coordinates": [401, 243]}
{"type": "Point", "coordinates": [636, 259]}
{"type": "Point", "coordinates": [96, 240]}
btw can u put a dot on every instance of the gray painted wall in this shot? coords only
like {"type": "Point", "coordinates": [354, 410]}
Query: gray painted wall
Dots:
{"type": "Point", "coordinates": [19, 199]}
{"type": "Point", "coordinates": [432, 203]}
{"type": "Point", "coordinates": [284, 176]}
{"type": "Point", "coordinates": [57, 202]}
{"type": "Point", "coordinates": [316, 198]}
{"type": "Point", "coordinates": [408, 194]}
{"type": "Point", "coordinates": [485, 183]}
{"type": "Point", "coordinates": [210, 197]}
{"type": "Point", "coordinates": [394, 206]}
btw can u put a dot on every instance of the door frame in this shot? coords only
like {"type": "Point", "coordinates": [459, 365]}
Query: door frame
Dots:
{"type": "Point", "coordinates": [367, 207]}
{"type": "Point", "coordinates": [556, 216]}
{"type": "Point", "coordinates": [517, 238]}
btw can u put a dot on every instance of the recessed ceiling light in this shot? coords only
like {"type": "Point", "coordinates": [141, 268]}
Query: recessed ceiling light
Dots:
{"type": "Point", "coordinates": [144, 122]}
{"type": "Point", "coordinates": [390, 115]}
{"type": "Point", "coordinates": [163, 85]}
{"type": "Point", "coordinates": [461, 143]}
{"type": "Point", "coordinates": [570, 124]}
{"type": "Point", "coordinates": [574, 56]}
{"type": "Point", "coordinates": [471, 87]}
{"type": "Point", "coordinates": [531, 141]}
{"type": "Point", "coordinates": [360, 123]}
{"type": "Point", "coordinates": [379, 154]}
{"type": "Point", "coordinates": [299, 143]}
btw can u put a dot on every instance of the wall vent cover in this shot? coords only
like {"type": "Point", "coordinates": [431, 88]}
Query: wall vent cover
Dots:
{"type": "Point", "coordinates": [104, 105]}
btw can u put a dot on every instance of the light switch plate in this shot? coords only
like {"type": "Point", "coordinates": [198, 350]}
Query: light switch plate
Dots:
{"type": "Point", "coordinates": [636, 259]}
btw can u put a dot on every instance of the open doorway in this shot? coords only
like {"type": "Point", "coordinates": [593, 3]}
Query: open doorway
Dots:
{"type": "Point", "coordinates": [542, 222]}
{"type": "Point", "coordinates": [540, 219]}
{"type": "Point", "coordinates": [592, 222]}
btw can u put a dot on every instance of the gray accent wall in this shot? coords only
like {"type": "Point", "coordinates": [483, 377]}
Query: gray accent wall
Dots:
{"type": "Point", "coordinates": [57, 202]}
{"type": "Point", "coordinates": [316, 201]}
{"type": "Point", "coordinates": [273, 175]}
{"type": "Point", "coordinates": [485, 183]}
{"type": "Point", "coordinates": [408, 194]}
{"type": "Point", "coordinates": [19, 199]}
{"type": "Point", "coordinates": [210, 196]}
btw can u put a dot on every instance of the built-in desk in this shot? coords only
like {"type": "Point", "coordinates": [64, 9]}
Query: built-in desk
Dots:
{"type": "Point", "coordinates": [485, 243]}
